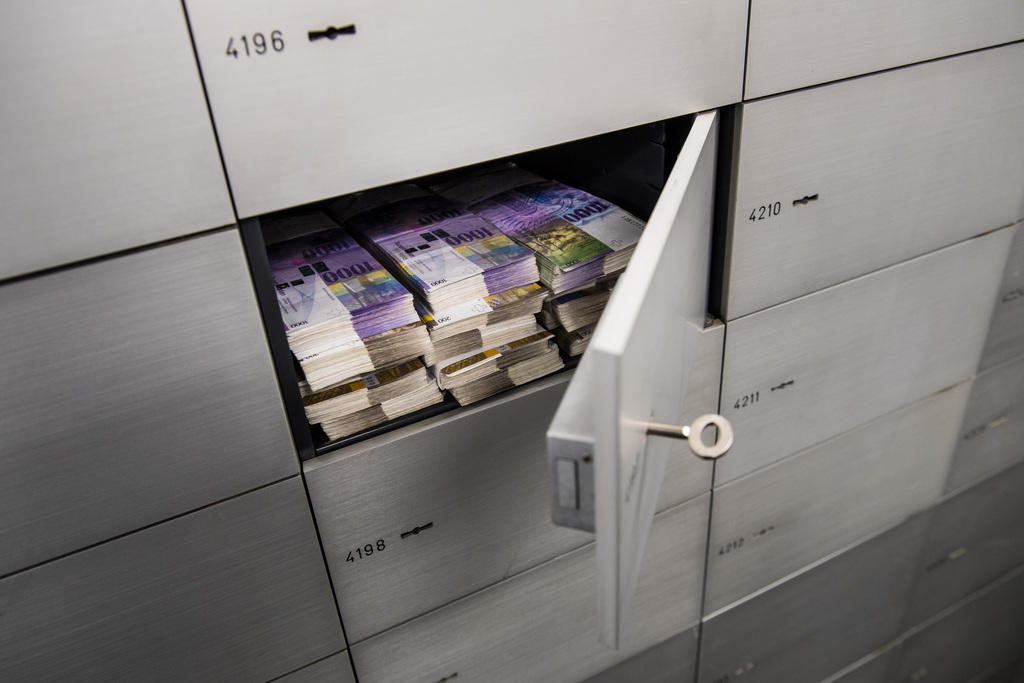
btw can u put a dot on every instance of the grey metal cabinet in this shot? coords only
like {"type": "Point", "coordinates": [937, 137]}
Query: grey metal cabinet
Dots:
{"type": "Point", "coordinates": [413, 89]}
{"type": "Point", "coordinates": [992, 433]}
{"type": "Point", "coordinates": [1006, 333]}
{"type": "Point", "coordinates": [459, 501]}
{"type": "Point", "coordinates": [776, 521]}
{"type": "Point", "coordinates": [806, 370]}
{"type": "Point", "coordinates": [144, 389]}
{"type": "Point", "coordinates": [540, 625]}
{"type": "Point", "coordinates": [822, 620]}
{"type": "Point", "coordinates": [983, 635]}
{"type": "Point", "coordinates": [975, 538]}
{"type": "Point", "coordinates": [237, 590]}
{"type": "Point", "coordinates": [796, 43]}
{"type": "Point", "coordinates": [107, 142]}
{"type": "Point", "coordinates": [334, 669]}
{"type": "Point", "coordinates": [841, 180]}
{"type": "Point", "coordinates": [671, 661]}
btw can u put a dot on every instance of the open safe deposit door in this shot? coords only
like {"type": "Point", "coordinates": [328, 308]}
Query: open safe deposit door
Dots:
{"type": "Point", "coordinates": [628, 387]}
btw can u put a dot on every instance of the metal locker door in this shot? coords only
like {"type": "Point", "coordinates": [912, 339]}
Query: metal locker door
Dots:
{"type": "Point", "coordinates": [605, 477]}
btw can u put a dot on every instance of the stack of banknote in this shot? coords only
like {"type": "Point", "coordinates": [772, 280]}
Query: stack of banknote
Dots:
{"type": "Point", "coordinates": [376, 397]}
{"type": "Point", "coordinates": [577, 237]}
{"type": "Point", "coordinates": [476, 375]}
{"type": "Point", "coordinates": [574, 343]}
{"type": "Point", "coordinates": [447, 256]}
{"type": "Point", "coordinates": [475, 288]}
{"type": "Point", "coordinates": [346, 319]}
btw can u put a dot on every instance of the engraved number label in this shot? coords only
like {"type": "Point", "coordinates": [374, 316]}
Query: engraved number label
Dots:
{"type": "Point", "coordinates": [367, 550]}
{"type": "Point", "coordinates": [734, 544]}
{"type": "Point", "coordinates": [257, 43]}
{"type": "Point", "coordinates": [766, 211]}
{"type": "Point", "coordinates": [747, 400]}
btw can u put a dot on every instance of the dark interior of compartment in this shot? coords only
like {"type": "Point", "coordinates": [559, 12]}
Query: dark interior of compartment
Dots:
{"type": "Point", "coordinates": [627, 167]}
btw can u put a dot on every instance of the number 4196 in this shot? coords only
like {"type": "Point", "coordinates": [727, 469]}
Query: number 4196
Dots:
{"type": "Point", "coordinates": [256, 43]}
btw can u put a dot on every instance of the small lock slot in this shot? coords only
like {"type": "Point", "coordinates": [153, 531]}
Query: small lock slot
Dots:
{"type": "Point", "coordinates": [415, 531]}
{"type": "Point", "coordinates": [332, 32]}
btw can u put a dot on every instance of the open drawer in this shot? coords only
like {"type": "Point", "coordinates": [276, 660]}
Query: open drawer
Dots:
{"type": "Point", "coordinates": [433, 467]}
{"type": "Point", "coordinates": [315, 98]}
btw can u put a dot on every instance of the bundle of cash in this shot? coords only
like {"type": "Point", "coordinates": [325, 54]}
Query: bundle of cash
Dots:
{"type": "Point", "coordinates": [488, 336]}
{"type": "Point", "coordinates": [576, 236]}
{"type": "Point", "coordinates": [493, 308]}
{"type": "Point", "coordinates": [372, 399]}
{"type": "Point", "coordinates": [448, 257]}
{"type": "Point", "coordinates": [578, 307]}
{"type": "Point", "coordinates": [574, 343]}
{"type": "Point", "coordinates": [344, 314]}
{"type": "Point", "coordinates": [479, 374]}
{"type": "Point", "coordinates": [484, 373]}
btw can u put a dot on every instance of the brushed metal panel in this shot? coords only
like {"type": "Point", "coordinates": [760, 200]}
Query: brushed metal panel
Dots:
{"type": "Point", "coordinates": [106, 142]}
{"type": "Point", "coordinates": [778, 520]}
{"type": "Point", "coordinates": [334, 669]}
{"type": "Point", "coordinates": [234, 591]}
{"type": "Point", "coordinates": [641, 355]}
{"type": "Point", "coordinates": [853, 352]}
{"type": "Point", "coordinates": [901, 163]}
{"type": "Point", "coordinates": [671, 661]}
{"type": "Point", "coordinates": [541, 625]}
{"type": "Point", "coordinates": [479, 476]}
{"type": "Point", "coordinates": [975, 538]}
{"type": "Point", "coordinates": [992, 433]}
{"type": "Point", "coordinates": [878, 667]}
{"type": "Point", "coordinates": [144, 390]}
{"type": "Point", "coordinates": [685, 476]}
{"type": "Point", "coordinates": [796, 43]}
{"type": "Point", "coordinates": [821, 620]}
{"type": "Point", "coordinates": [1006, 333]}
{"type": "Point", "coordinates": [425, 87]}
{"type": "Point", "coordinates": [980, 636]}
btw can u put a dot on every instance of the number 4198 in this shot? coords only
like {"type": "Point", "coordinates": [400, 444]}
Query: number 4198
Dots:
{"type": "Point", "coordinates": [366, 550]}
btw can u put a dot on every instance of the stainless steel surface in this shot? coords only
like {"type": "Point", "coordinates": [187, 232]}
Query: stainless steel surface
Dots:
{"type": "Point", "coordinates": [796, 43]}
{"type": "Point", "coordinates": [683, 479]}
{"type": "Point", "coordinates": [778, 520]}
{"type": "Point", "coordinates": [900, 163]}
{"type": "Point", "coordinates": [334, 669]}
{"type": "Point", "coordinates": [671, 661]}
{"type": "Point", "coordinates": [421, 88]}
{"type": "Point", "coordinates": [981, 635]}
{"type": "Point", "coordinates": [1006, 333]}
{"type": "Point", "coordinates": [106, 142]}
{"type": "Point", "coordinates": [975, 538]}
{"type": "Point", "coordinates": [641, 355]}
{"type": "Point", "coordinates": [144, 390]}
{"type": "Point", "coordinates": [477, 476]}
{"type": "Point", "coordinates": [235, 591]}
{"type": "Point", "coordinates": [992, 433]}
{"type": "Point", "coordinates": [541, 625]}
{"type": "Point", "coordinates": [821, 620]}
{"type": "Point", "coordinates": [801, 372]}
{"type": "Point", "coordinates": [877, 667]}
{"type": "Point", "coordinates": [480, 477]}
